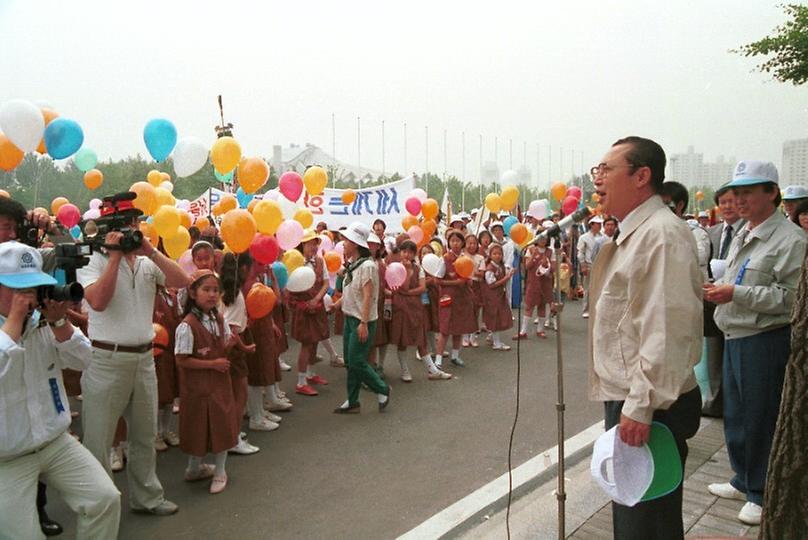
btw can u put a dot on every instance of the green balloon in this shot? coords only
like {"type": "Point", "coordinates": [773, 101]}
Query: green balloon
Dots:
{"type": "Point", "coordinates": [85, 159]}
{"type": "Point", "coordinates": [226, 178]}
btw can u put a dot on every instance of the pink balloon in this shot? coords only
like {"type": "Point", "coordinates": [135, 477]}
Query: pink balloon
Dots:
{"type": "Point", "coordinates": [289, 234]}
{"type": "Point", "coordinates": [326, 244]}
{"type": "Point", "coordinates": [95, 203]}
{"type": "Point", "coordinates": [575, 191]}
{"type": "Point", "coordinates": [569, 205]}
{"type": "Point", "coordinates": [413, 206]}
{"type": "Point", "coordinates": [340, 249]}
{"type": "Point", "coordinates": [416, 234]}
{"type": "Point", "coordinates": [186, 262]}
{"type": "Point", "coordinates": [395, 275]}
{"type": "Point", "coordinates": [68, 215]}
{"type": "Point", "coordinates": [419, 194]}
{"type": "Point", "coordinates": [291, 185]}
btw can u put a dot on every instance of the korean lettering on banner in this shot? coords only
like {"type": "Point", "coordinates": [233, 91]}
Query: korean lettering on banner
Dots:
{"type": "Point", "coordinates": [385, 202]}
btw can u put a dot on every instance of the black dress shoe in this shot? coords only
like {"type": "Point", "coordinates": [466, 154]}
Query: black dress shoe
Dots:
{"type": "Point", "coordinates": [50, 527]}
{"type": "Point", "coordinates": [383, 406]}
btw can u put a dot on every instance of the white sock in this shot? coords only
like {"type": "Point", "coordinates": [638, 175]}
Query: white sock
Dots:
{"type": "Point", "coordinates": [273, 393]}
{"type": "Point", "coordinates": [255, 403]}
{"type": "Point", "coordinates": [345, 405]}
{"type": "Point", "coordinates": [438, 359]}
{"type": "Point", "coordinates": [301, 379]}
{"type": "Point", "coordinates": [455, 354]}
{"type": "Point", "coordinates": [497, 341]}
{"type": "Point", "coordinates": [194, 463]}
{"type": "Point", "coordinates": [540, 324]}
{"type": "Point", "coordinates": [221, 458]}
{"type": "Point", "coordinates": [430, 339]}
{"type": "Point", "coordinates": [310, 371]}
{"type": "Point", "coordinates": [525, 324]}
{"type": "Point", "coordinates": [381, 397]}
{"type": "Point", "coordinates": [430, 365]}
{"type": "Point", "coordinates": [329, 347]}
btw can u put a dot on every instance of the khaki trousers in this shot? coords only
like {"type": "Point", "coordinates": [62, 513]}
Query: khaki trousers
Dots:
{"type": "Point", "coordinates": [124, 384]}
{"type": "Point", "coordinates": [66, 466]}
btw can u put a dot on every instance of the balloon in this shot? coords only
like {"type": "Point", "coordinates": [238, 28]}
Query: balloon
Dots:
{"type": "Point", "coordinates": [315, 179]}
{"type": "Point", "coordinates": [272, 195]}
{"type": "Point", "coordinates": [68, 215]}
{"type": "Point", "coordinates": [10, 155]}
{"type": "Point", "coordinates": [348, 196]}
{"type": "Point", "coordinates": [75, 232]}
{"type": "Point", "coordinates": [527, 239]}
{"type": "Point", "coordinates": [85, 159]}
{"type": "Point", "coordinates": [225, 154]}
{"type": "Point", "coordinates": [537, 209]}
{"type": "Point", "coordinates": [408, 222]}
{"type": "Point", "coordinates": [243, 199]}
{"type": "Point", "coordinates": [186, 262]}
{"type": "Point", "coordinates": [252, 204]}
{"type": "Point", "coordinates": [268, 216]}
{"type": "Point", "coordinates": [699, 196]}
{"type": "Point", "coordinates": [569, 205]}
{"type": "Point", "coordinates": [575, 191]}
{"type": "Point", "coordinates": [252, 174]}
{"type": "Point", "coordinates": [260, 301]}
{"type": "Point", "coordinates": [48, 115]}
{"type": "Point", "coordinates": [92, 213]}
{"type": "Point", "coordinates": [190, 155]}
{"type": "Point", "coordinates": [290, 185]}
{"type": "Point", "coordinates": [57, 203]}
{"type": "Point", "coordinates": [95, 203]}
{"type": "Point", "coordinates": [509, 222]}
{"type": "Point", "coordinates": [518, 233]}
{"type": "Point", "coordinates": [419, 194]}
{"type": "Point", "coordinates": [154, 177]}
{"type": "Point", "coordinates": [264, 249]}
{"type": "Point", "coordinates": [333, 261]}
{"type": "Point", "coordinates": [595, 198]}
{"type": "Point", "coordinates": [280, 273]}
{"type": "Point", "coordinates": [304, 217]}
{"type": "Point", "coordinates": [413, 206]}
{"type": "Point", "coordinates": [5, 194]}
{"type": "Point", "coordinates": [93, 179]}
{"type": "Point", "coordinates": [202, 223]}
{"type": "Point", "coordinates": [149, 232]}
{"type": "Point", "coordinates": [429, 226]}
{"type": "Point", "coordinates": [301, 279]}
{"type": "Point", "coordinates": [164, 197]}
{"type": "Point", "coordinates": [464, 266]}
{"type": "Point", "coordinates": [493, 203]}
{"type": "Point", "coordinates": [23, 123]}
{"type": "Point", "coordinates": [166, 221]}
{"type": "Point", "coordinates": [63, 138]}
{"type": "Point", "coordinates": [168, 186]}
{"type": "Point", "coordinates": [227, 203]}
{"type": "Point", "coordinates": [160, 340]}
{"type": "Point", "coordinates": [289, 234]}
{"type": "Point", "coordinates": [292, 260]}
{"type": "Point", "coordinates": [165, 177]}
{"type": "Point", "coordinates": [217, 210]}
{"type": "Point", "coordinates": [395, 275]}
{"type": "Point", "coordinates": [509, 177]}
{"type": "Point", "coordinates": [238, 230]}
{"type": "Point", "coordinates": [177, 243]}
{"type": "Point", "coordinates": [558, 190]}
{"type": "Point", "coordinates": [429, 208]}
{"type": "Point", "coordinates": [432, 264]}
{"type": "Point", "coordinates": [416, 234]}
{"type": "Point", "coordinates": [224, 178]}
{"type": "Point", "coordinates": [160, 137]}
{"type": "Point", "coordinates": [185, 218]}
{"type": "Point", "coordinates": [509, 197]}
{"type": "Point", "coordinates": [326, 244]}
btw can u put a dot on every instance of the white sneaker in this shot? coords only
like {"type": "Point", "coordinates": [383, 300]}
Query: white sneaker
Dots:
{"type": "Point", "coordinates": [585, 314]}
{"type": "Point", "coordinates": [272, 417]}
{"type": "Point", "coordinates": [116, 459]}
{"type": "Point", "coordinates": [405, 373]}
{"type": "Point", "coordinates": [171, 438]}
{"type": "Point", "coordinates": [243, 448]}
{"type": "Point", "coordinates": [726, 491]}
{"type": "Point", "coordinates": [750, 513]}
{"type": "Point", "coordinates": [263, 425]}
{"type": "Point", "coordinates": [285, 366]}
{"type": "Point", "coordinates": [159, 444]}
{"type": "Point", "coordinates": [275, 406]}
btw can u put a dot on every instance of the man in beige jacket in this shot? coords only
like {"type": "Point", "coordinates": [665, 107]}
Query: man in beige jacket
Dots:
{"type": "Point", "coordinates": [645, 326]}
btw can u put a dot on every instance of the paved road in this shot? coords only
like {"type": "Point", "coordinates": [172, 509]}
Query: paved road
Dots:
{"type": "Point", "coordinates": [378, 475]}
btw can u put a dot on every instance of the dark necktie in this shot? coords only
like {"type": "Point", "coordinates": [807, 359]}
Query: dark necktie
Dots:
{"type": "Point", "coordinates": [722, 254]}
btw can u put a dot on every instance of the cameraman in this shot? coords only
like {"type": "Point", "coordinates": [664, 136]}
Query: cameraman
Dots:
{"type": "Point", "coordinates": [34, 346]}
{"type": "Point", "coordinates": [120, 288]}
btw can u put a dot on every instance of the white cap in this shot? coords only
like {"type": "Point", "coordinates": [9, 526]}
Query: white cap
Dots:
{"type": "Point", "coordinates": [475, 211]}
{"type": "Point", "coordinates": [792, 193]}
{"type": "Point", "coordinates": [373, 238]}
{"type": "Point", "coordinates": [704, 213]}
{"type": "Point", "coordinates": [631, 471]}
{"type": "Point", "coordinates": [357, 233]}
{"type": "Point", "coordinates": [596, 219]}
{"type": "Point", "coordinates": [547, 223]}
{"type": "Point", "coordinates": [753, 172]}
{"type": "Point", "coordinates": [455, 218]}
{"type": "Point", "coordinates": [503, 213]}
{"type": "Point", "coordinates": [495, 224]}
{"type": "Point", "coordinates": [21, 267]}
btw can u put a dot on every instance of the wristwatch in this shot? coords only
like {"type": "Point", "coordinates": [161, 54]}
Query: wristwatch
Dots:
{"type": "Point", "coordinates": [58, 323]}
{"type": "Point", "coordinates": [153, 254]}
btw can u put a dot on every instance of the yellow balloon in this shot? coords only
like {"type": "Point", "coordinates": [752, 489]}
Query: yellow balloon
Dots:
{"type": "Point", "coordinates": [57, 203]}
{"type": "Point", "coordinates": [558, 190]}
{"type": "Point", "coordinates": [154, 177]}
{"type": "Point", "coordinates": [493, 203]}
{"type": "Point", "coordinates": [315, 179]}
{"type": "Point", "coordinates": [166, 221]}
{"type": "Point", "coordinates": [292, 260]}
{"type": "Point", "coordinates": [225, 154]}
{"type": "Point", "coordinates": [509, 197]}
{"type": "Point", "coordinates": [164, 197]}
{"type": "Point", "coordinates": [146, 197]}
{"type": "Point", "coordinates": [252, 174]}
{"type": "Point", "coordinates": [185, 218]}
{"type": "Point", "coordinates": [268, 216]}
{"type": "Point", "coordinates": [304, 217]}
{"type": "Point", "coordinates": [228, 203]}
{"type": "Point", "coordinates": [177, 243]}
{"type": "Point", "coordinates": [238, 230]}
{"type": "Point", "coordinates": [202, 223]}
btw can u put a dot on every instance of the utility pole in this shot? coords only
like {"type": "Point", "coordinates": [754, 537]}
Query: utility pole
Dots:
{"type": "Point", "coordinates": [406, 169]}
{"type": "Point", "coordinates": [463, 170]}
{"type": "Point", "coordinates": [382, 147]}
{"type": "Point", "coordinates": [358, 142]}
{"type": "Point", "coordinates": [426, 136]}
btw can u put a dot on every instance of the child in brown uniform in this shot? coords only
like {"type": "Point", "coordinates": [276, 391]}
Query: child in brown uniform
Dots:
{"type": "Point", "coordinates": [496, 311]}
{"type": "Point", "coordinates": [456, 304]}
{"type": "Point", "coordinates": [539, 290]}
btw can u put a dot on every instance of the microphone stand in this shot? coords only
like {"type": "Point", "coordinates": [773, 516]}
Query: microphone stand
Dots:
{"type": "Point", "coordinates": [561, 495]}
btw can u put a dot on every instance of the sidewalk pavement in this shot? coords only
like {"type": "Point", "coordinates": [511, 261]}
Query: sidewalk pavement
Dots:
{"type": "Point", "coordinates": [588, 509]}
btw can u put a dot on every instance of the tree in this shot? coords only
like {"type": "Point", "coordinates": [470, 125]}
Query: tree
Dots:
{"type": "Point", "coordinates": [788, 45]}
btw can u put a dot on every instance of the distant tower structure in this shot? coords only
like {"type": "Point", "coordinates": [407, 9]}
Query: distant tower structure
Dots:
{"type": "Point", "coordinates": [225, 130]}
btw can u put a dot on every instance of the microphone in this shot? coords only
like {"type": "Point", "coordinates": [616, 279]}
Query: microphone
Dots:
{"type": "Point", "coordinates": [576, 217]}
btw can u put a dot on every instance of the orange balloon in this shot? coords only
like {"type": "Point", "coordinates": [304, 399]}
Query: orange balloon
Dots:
{"type": "Point", "coordinates": [595, 198]}
{"type": "Point", "coordinates": [146, 200]}
{"type": "Point", "coordinates": [150, 232]}
{"type": "Point", "coordinates": [238, 230]}
{"type": "Point", "coordinates": [160, 341]}
{"type": "Point", "coordinates": [558, 190]}
{"type": "Point", "coordinates": [252, 204]}
{"type": "Point", "coordinates": [429, 226]}
{"type": "Point", "coordinates": [93, 179]}
{"type": "Point", "coordinates": [217, 210]}
{"type": "Point", "coordinates": [48, 115]}
{"type": "Point", "coordinates": [228, 203]}
{"type": "Point", "coordinates": [429, 209]}
{"type": "Point", "coordinates": [464, 266]}
{"type": "Point", "coordinates": [518, 233]}
{"type": "Point", "coordinates": [260, 301]}
{"type": "Point", "coordinates": [4, 193]}
{"type": "Point", "coordinates": [699, 196]}
{"type": "Point", "coordinates": [202, 223]}
{"type": "Point", "coordinates": [332, 261]}
{"type": "Point", "coordinates": [408, 222]}
{"type": "Point", "coordinates": [154, 177]}
{"type": "Point", "coordinates": [165, 177]}
{"type": "Point", "coordinates": [57, 203]}
{"type": "Point", "coordinates": [185, 219]}
{"type": "Point", "coordinates": [10, 155]}
{"type": "Point", "coordinates": [348, 196]}
{"type": "Point", "coordinates": [252, 174]}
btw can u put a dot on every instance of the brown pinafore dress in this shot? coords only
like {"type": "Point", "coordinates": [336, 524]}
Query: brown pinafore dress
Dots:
{"type": "Point", "coordinates": [539, 289]}
{"type": "Point", "coordinates": [207, 414]}
{"type": "Point", "coordinates": [382, 336]}
{"type": "Point", "coordinates": [263, 366]}
{"type": "Point", "coordinates": [458, 317]}
{"type": "Point", "coordinates": [408, 326]}
{"type": "Point", "coordinates": [167, 313]}
{"type": "Point", "coordinates": [496, 311]}
{"type": "Point", "coordinates": [309, 325]}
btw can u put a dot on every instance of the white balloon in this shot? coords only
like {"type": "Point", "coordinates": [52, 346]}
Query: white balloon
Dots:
{"type": "Point", "coordinates": [419, 194]}
{"type": "Point", "coordinates": [92, 213]}
{"type": "Point", "coordinates": [272, 195]}
{"type": "Point", "coordinates": [510, 177]}
{"type": "Point", "coordinates": [168, 186]}
{"type": "Point", "coordinates": [433, 265]}
{"type": "Point", "coordinates": [184, 204]}
{"type": "Point", "coordinates": [23, 124]}
{"type": "Point", "coordinates": [190, 155]}
{"type": "Point", "coordinates": [302, 279]}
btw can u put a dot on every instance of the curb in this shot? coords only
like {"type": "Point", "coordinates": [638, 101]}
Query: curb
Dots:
{"type": "Point", "coordinates": [492, 497]}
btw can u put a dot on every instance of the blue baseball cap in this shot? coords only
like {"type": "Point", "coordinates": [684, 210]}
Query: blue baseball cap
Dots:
{"type": "Point", "coordinates": [21, 267]}
{"type": "Point", "coordinates": [753, 172]}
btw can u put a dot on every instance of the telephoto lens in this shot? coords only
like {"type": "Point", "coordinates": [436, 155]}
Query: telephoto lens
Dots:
{"type": "Point", "coordinates": [72, 292]}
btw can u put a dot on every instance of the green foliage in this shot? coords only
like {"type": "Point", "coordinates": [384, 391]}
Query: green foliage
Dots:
{"type": "Point", "coordinates": [788, 45]}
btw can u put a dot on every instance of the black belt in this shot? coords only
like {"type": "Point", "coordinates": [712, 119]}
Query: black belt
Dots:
{"type": "Point", "coordinates": [114, 347]}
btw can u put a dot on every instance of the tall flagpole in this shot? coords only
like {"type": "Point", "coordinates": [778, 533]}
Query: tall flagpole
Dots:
{"type": "Point", "coordinates": [463, 170]}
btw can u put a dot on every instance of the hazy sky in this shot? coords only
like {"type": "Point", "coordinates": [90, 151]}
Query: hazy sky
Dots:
{"type": "Point", "coordinates": [573, 76]}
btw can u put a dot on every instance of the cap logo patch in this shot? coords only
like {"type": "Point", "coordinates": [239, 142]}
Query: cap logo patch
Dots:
{"type": "Point", "coordinates": [27, 261]}
{"type": "Point", "coordinates": [741, 168]}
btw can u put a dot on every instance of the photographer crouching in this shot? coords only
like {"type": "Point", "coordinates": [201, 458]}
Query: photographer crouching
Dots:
{"type": "Point", "coordinates": [34, 346]}
{"type": "Point", "coordinates": [120, 284]}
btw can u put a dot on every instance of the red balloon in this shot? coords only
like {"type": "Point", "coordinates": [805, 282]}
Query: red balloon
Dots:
{"type": "Point", "coordinates": [575, 191]}
{"type": "Point", "coordinates": [68, 215]}
{"type": "Point", "coordinates": [291, 185]}
{"type": "Point", "coordinates": [569, 205]}
{"type": "Point", "coordinates": [413, 206]}
{"type": "Point", "coordinates": [264, 249]}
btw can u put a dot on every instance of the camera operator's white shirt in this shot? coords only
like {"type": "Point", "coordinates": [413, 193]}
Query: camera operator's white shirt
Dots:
{"type": "Point", "coordinates": [129, 314]}
{"type": "Point", "coordinates": [33, 402]}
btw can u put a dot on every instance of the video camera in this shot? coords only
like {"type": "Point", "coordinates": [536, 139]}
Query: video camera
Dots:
{"type": "Point", "coordinates": [117, 214]}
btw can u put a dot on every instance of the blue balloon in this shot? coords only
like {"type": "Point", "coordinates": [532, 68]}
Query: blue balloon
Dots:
{"type": "Point", "coordinates": [160, 137]}
{"type": "Point", "coordinates": [280, 274]}
{"type": "Point", "coordinates": [243, 198]}
{"type": "Point", "coordinates": [63, 138]}
{"type": "Point", "coordinates": [75, 231]}
{"type": "Point", "coordinates": [509, 222]}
